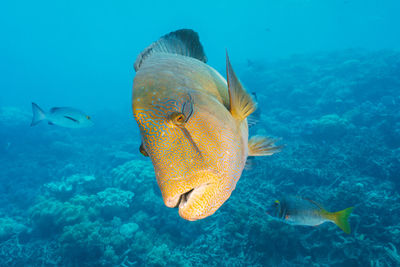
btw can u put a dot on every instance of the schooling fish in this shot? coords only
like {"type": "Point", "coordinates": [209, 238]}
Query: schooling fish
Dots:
{"type": "Point", "coordinates": [63, 116]}
{"type": "Point", "coordinates": [302, 211]}
{"type": "Point", "coordinates": [193, 124]}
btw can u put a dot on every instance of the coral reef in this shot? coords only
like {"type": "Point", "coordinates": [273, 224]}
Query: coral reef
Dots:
{"type": "Point", "coordinates": [9, 227]}
{"type": "Point", "coordinates": [90, 199]}
{"type": "Point", "coordinates": [67, 187]}
{"type": "Point", "coordinates": [13, 116]}
{"type": "Point", "coordinates": [114, 201]}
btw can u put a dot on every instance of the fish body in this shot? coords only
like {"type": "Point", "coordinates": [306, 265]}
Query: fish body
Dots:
{"type": "Point", "coordinates": [302, 211]}
{"type": "Point", "coordinates": [197, 143]}
{"type": "Point", "coordinates": [62, 116]}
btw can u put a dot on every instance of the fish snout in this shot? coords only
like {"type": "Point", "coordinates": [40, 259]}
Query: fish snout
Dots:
{"type": "Point", "coordinates": [172, 202]}
{"type": "Point", "coordinates": [196, 198]}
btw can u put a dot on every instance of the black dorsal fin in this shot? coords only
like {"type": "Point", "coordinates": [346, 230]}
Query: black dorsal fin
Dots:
{"type": "Point", "coordinates": [183, 42]}
{"type": "Point", "coordinates": [54, 109]}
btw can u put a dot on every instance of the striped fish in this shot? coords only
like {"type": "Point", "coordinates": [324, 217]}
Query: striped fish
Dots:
{"type": "Point", "coordinates": [193, 124]}
{"type": "Point", "coordinates": [61, 116]}
{"type": "Point", "coordinates": [302, 211]}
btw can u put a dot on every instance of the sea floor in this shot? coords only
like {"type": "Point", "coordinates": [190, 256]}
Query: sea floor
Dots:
{"type": "Point", "coordinates": [87, 197]}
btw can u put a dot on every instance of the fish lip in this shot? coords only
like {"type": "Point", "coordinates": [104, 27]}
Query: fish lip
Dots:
{"type": "Point", "coordinates": [180, 201]}
{"type": "Point", "coordinates": [174, 202]}
{"type": "Point", "coordinates": [187, 199]}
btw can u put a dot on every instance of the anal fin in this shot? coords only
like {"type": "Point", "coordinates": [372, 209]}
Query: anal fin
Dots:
{"type": "Point", "coordinates": [262, 146]}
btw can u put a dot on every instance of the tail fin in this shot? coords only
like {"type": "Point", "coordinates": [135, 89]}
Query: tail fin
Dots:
{"type": "Point", "coordinates": [341, 219]}
{"type": "Point", "coordinates": [38, 114]}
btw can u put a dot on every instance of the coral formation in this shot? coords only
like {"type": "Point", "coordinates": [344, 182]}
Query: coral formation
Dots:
{"type": "Point", "coordinates": [92, 200]}
{"type": "Point", "coordinates": [9, 227]}
{"type": "Point", "coordinates": [114, 201]}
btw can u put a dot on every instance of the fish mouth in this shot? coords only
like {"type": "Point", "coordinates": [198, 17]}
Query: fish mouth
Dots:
{"type": "Point", "coordinates": [191, 204]}
{"type": "Point", "coordinates": [183, 199]}
{"type": "Point", "coordinates": [196, 200]}
{"type": "Point", "coordinates": [194, 205]}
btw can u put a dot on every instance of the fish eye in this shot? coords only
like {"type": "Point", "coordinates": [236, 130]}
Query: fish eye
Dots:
{"type": "Point", "coordinates": [178, 118]}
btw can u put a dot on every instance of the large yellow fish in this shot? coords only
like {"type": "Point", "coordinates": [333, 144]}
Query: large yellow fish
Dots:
{"type": "Point", "coordinates": [193, 124]}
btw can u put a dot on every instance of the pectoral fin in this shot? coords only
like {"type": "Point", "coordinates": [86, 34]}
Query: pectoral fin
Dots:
{"type": "Point", "coordinates": [143, 151]}
{"type": "Point", "coordinates": [262, 146]}
{"type": "Point", "coordinates": [250, 163]}
{"type": "Point", "coordinates": [241, 102]}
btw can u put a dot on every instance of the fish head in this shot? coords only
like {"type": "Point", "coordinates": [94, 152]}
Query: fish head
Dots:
{"type": "Point", "coordinates": [78, 120]}
{"type": "Point", "coordinates": [274, 210]}
{"type": "Point", "coordinates": [69, 117]}
{"type": "Point", "coordinates": [196, 154]}
{"type": "Point", "coordinates": [87, 121]}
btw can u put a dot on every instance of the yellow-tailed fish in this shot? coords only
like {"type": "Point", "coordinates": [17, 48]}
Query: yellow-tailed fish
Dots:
{"type": "Point", "coordinates": [193, 124]}
{"type": "Point", "coordinates": [302, 211]}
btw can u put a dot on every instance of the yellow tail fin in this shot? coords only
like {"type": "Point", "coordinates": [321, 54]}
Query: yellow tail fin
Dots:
{"type": "Point", "coordinates": [341, 218]}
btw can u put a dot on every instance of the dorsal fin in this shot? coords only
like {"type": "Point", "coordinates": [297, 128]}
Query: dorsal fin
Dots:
{"type": "Point", "coordinates": [54, 109]}
{"type": "Point", "coordinates": [183, 42]}
{"type": "Point", "coordinates": [241, 103]}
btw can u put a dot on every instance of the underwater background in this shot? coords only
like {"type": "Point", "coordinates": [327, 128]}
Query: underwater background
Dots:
{"type": "Point", "coordinates": [327, 79]}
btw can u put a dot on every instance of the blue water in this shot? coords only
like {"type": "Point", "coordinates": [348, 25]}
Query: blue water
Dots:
{"type": "Point", "coordinates": [327, 78]}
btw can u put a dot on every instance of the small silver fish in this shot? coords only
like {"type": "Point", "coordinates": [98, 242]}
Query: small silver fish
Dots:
{"type": "Point", "coordinates": [302, 211]}
{"type": "Point", "coordinates": [62, 116]}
